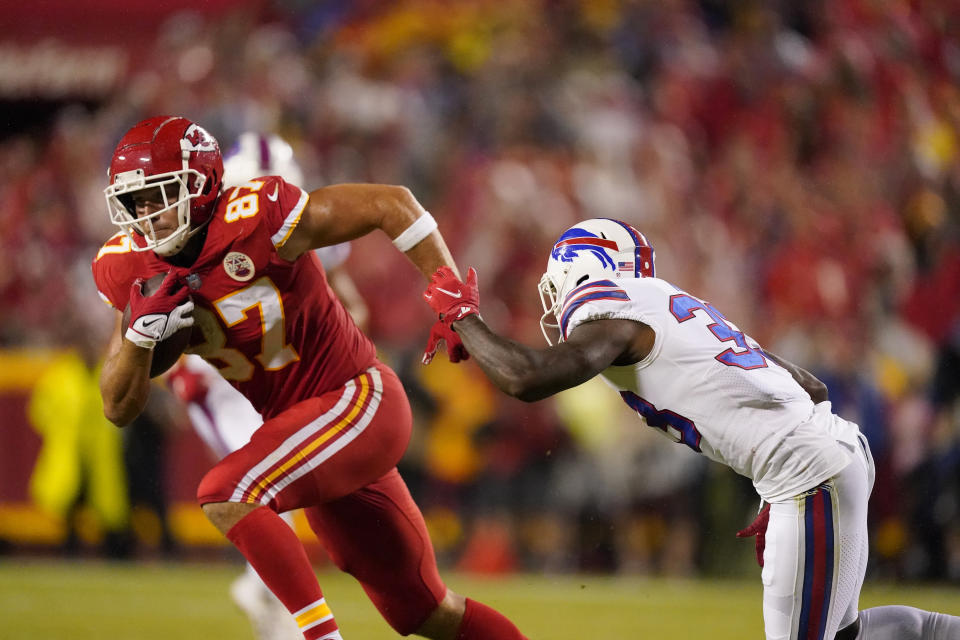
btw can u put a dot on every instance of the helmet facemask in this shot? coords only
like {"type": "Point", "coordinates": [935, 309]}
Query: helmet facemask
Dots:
{"type": "Point", "coordinates": [120, 202]}
{"type": "Point", "coordinates": [551, 301]}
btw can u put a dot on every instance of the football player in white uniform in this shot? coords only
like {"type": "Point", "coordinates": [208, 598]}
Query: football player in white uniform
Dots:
{"type": "Point", "coordinates": [693, 375]}
{"type": "Point", "coordinates": [220, 415]}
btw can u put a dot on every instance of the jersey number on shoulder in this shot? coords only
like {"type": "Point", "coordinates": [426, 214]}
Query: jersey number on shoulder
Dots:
{"type": "Point", "coordinates": [246, 205]}
{"type": "Point", "coordinates": [122, 245]}
{"type": "Point", "coordinates": [261, 295]}
{"type": "Point", "coordinates": [683, 306]}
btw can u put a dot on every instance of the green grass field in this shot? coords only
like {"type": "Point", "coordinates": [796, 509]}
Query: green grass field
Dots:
{"type": "Point", "coordinates": [59, 600]}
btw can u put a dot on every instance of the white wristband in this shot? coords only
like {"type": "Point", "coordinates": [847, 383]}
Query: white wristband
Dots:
{"type": "Point", "coordinates": [137, 338]}
{"type": "Point", "coordinates": [420, 229]}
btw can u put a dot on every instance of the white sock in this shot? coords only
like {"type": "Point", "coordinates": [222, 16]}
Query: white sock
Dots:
{"type": "Point", "coordinates": [897, 622]}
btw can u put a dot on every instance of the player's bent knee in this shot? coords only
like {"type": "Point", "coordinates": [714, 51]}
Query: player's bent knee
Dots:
{"type": "Point", "coordinates": [445, 620]}
{"type": "Point", "coordinates": [224, 515]}
{"type": "Point", "coordinates": [219, 484]}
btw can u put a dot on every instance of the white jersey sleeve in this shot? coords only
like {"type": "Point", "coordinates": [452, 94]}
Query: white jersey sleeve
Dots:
{"type": "Point", "coordinates": [709, 386]}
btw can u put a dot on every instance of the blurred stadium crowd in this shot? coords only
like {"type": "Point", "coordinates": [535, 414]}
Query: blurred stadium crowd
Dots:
{"type": "Point", "coordinates": [797, 164]}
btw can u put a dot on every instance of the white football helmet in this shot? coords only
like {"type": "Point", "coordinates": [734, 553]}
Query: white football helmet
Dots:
{"type": "Point", "coordinates": [257, 154]}
{"type": "Point", "coordinates": [595, 249]}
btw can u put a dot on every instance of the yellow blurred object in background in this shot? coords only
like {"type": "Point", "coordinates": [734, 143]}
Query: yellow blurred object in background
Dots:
{"type": "Point", "coordinates": [81, 456]}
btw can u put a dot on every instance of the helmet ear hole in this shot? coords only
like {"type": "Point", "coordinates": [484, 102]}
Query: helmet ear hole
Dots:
{"type": "Point", "coordinates": [582, 279]}
{"type": "Point", "coordinates": [208, 185]}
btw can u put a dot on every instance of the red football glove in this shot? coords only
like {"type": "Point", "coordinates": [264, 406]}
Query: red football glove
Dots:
{"type": "Point", "coordinates": [158, 316]}
{"type": "Point", "coordinates": [452, 299]}
{"type": "Point", "coordinates": [443, 331]}
{"type": "Point", "coordinates": [189, 386]}
{"type": "Point", "coordinates": [758, 528]}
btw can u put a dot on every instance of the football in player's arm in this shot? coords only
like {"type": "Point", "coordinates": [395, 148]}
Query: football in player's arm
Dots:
{"type": "Point", "coordinates": [693, 375]}
{"type": "Point", "coordinates": [241, 269]}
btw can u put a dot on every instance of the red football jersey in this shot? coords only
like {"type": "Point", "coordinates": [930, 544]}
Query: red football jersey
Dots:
{"type": "Point", "coordinates": [273, 328]}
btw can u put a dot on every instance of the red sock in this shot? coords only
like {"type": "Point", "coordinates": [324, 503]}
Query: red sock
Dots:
{"type": "Point", "coordinates": [274, 550]}
{"type": "Point", "coordinates": [480, 622]}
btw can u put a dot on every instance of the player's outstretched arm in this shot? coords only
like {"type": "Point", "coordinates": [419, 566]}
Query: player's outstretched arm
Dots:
{"type": "Point", "coordinates": [124, 379]}
{"type": "Point", "coordinates": [521, 371]}
{"type": "Point", "coordinates": [533, 374]}
{"type": "Point", "coordinates": [810, 383]}
{"type": "Point", "coordinates": [344, 212]}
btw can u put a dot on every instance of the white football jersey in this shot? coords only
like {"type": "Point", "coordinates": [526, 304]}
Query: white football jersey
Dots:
{"type": "Point", "coordinates": [709, 386]}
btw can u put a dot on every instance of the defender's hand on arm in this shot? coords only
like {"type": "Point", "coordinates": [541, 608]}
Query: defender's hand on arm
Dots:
{"type": "Point", "coordinates": [452, 300]}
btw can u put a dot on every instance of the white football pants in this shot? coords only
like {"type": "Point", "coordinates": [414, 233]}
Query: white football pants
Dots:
{"type": "Point", "coordinates": [816, 554]}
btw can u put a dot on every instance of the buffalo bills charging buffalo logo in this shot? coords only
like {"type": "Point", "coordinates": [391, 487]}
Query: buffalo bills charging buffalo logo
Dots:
{"type": "Point", "coordinates": [575, 240]}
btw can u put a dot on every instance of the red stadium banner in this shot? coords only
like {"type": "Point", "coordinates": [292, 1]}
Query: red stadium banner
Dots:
{"type": "Point", "coordinates": [55, 49]}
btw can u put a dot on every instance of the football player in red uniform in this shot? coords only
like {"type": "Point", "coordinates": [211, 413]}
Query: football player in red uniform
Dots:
{"type": "Point", "coordinates": [336, 420]}
{"type": "Point", "coordinates": [222, 417]}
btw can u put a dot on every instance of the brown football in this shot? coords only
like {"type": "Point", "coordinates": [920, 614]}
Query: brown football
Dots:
{"type": "Point", "coordinates": [166, 352]}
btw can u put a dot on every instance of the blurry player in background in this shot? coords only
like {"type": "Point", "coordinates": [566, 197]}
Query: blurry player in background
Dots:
{"type": "Point", "coordinates": [692, 374]}
{"type": "Point", "coordinates": [239, 266]}
{"type": "Point", "coordinates": [220, 415]}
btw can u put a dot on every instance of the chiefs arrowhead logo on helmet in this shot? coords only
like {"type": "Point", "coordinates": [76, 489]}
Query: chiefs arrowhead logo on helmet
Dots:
{"type": "Point", "coordinates": [196, 138]}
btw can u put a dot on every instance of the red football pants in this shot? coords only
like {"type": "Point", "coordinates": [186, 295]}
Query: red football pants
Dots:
{"type": "Point", "coordinates": [335, 456]}
{"type": "Point", "coordinates": [377, 535]}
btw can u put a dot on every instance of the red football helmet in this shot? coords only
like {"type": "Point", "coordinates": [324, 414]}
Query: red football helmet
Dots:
{"type": "Point", "coordinates": [181, 158]}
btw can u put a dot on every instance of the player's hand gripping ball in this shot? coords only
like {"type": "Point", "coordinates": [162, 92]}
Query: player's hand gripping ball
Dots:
{"type": "Point", "coordinates": [159, 316]}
